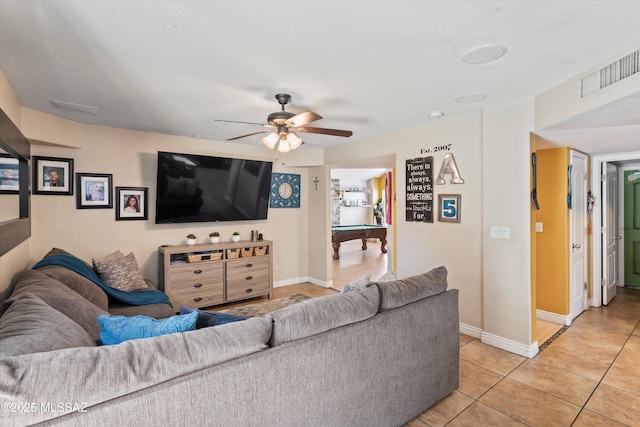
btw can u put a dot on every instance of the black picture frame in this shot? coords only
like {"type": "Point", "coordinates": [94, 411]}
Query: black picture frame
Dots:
{"type": "Point", "coordinates": [94, 191]}
{"type": "Point", "coordinates": [9, 174]}
{"type": "Point", "coordinates": [52, 176]}
{"type": "Point", "coordinates": [141, 196]}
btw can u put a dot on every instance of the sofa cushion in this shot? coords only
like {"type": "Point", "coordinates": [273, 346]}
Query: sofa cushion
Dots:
{"type": "Point", "coordinates": [120, 273]}
{"type": "Point", "coordinates": [117, 329]}
{"type": "Point", "coordinates": [401, 292]}
{"type": "Point", "coordinates": [157, 311]}
{"type": "Point", "coordinates": [85, 287]}
{"type": "Point", "coordinates": [208, 318]}
{"type": "Point", "coordinates": [61, 298]}
{"type": "Point", "coordinates": [317, 315]}
{"type": "Point", "coordinates": [31, 326]}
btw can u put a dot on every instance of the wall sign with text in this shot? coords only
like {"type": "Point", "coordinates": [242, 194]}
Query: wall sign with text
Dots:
{"type": "Point", "coordinates": [419, 202]}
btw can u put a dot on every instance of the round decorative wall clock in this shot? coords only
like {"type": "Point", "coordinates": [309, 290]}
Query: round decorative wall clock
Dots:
{"type": "Point", "coordinates": [285, 190]}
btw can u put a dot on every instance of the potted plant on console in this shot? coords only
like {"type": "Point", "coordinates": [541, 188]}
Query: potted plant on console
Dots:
{"type": "Point", "coordinates": [215, 237]}
{"type": "Point", "coordinates": [235, 236]}
{"type": "Point", "coordinates": [191, 239]}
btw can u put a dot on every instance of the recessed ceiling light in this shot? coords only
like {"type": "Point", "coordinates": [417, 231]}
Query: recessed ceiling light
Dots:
{"type": "Point", "coordinates": [483, 54]}
{"type": "Point", "coordinates": [470, 98]}
{"type": "Point", "coordinates": [75, 107]}
{"type": "Point", "coordinates": [436, 114]}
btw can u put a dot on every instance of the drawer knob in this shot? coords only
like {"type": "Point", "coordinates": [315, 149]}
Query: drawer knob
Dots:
{"type": "Point", "coordinates": [248, 265]}
{"type": "Point", "coordinates": [249, 290]}
{"type": "Point", "coordinates": [197, 285]}
{"type": "Point", "coordinates": [197, 299]}
{"type": "Point", "coordinates": [248, 278]}
{"type": "Point", "coordinates": [197, 272]}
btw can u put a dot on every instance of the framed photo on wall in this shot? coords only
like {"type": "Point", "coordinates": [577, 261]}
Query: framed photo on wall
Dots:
{"type": "Point", "coordinates": [449, 207]}
{"type": "Point", "coordinates": [131, 203]}
{"type": "Point", "coordinates": [52, 175]}
{"type": "Point", "coordinates": [94, 191]}
{"type": "Point", "coordinates": [9, 175]}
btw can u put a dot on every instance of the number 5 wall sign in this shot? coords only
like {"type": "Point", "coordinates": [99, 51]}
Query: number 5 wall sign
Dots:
{"type": "Point", "coordinates": [449, 207]}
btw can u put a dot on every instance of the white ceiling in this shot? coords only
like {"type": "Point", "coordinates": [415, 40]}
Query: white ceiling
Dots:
{"type": "Point", "coordinates": [372, 67]}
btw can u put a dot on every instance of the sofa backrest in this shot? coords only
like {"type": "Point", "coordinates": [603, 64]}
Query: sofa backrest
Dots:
{"type": "Point", "coordinates": [396, 293]}
{"type": "Point", "coordinates": [321, 314]}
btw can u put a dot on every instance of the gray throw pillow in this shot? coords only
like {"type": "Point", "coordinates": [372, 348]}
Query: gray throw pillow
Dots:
{"type": "Point", "coordinates": [405, 291]}
{"type": "Point", "coordinates": [30, 326]}
{"type": "Point", "coordinates": [120, 272]}
{"type": "Point", "coordinates": [357, 284]}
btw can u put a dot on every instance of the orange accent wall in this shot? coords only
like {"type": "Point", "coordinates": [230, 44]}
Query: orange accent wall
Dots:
{"type": "Point", "coordinates": [552, 254]}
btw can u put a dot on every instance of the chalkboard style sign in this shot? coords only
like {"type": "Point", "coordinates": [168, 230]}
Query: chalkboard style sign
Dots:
{"type": "Point", "coordinates": [419, 206]}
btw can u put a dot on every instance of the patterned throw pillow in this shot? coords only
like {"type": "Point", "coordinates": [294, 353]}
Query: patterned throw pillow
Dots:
{"type": "Point", "coordinates": [358, 284]}
{"type": "Point", "coordinates": [120, 273]}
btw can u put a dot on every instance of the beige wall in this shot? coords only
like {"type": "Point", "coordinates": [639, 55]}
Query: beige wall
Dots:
{"type": "Point", "coordinates": [131, 157]}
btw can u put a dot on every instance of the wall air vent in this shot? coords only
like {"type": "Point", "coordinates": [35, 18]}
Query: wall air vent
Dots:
{"type": "Point", "coordinates": [612, 73]}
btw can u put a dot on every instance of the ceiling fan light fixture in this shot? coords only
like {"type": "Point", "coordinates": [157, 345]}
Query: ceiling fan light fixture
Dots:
{"type": "Point", "coordinates": [271, 140]}
{"type": "Point", "coordinates": [284, 146]}
{"type": "Point", "coordinates": [294, 141]}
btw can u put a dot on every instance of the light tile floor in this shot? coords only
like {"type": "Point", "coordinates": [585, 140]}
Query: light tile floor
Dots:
{"type": "Point", "coordinates": [588, 376]}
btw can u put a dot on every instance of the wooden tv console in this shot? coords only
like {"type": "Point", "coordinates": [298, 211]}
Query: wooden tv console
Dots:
{"type": "Point", "coordinates": [208, 274]}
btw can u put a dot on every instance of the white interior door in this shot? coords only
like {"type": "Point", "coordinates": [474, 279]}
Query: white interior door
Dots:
{"type": "Point", "coordinates": [609, 232]}
{"type": "Point", "coordinates": [578, 241]}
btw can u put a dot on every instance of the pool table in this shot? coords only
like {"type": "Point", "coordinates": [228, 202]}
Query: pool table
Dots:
{"type": "Point", "coordinates": [343, 233]}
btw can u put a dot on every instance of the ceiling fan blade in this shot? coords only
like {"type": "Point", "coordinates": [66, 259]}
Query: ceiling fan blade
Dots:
{"type": "Point", "coordinates": [246, 123]}
{"type": "Point", "coordinates": [325, 131]}
{"type": "Point", "coordinates": [249, 134]}
{"type": "Point", "coordinates": [302, 119]}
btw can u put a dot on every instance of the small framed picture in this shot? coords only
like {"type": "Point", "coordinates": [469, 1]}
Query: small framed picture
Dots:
{"type": "Point", "coordinates": [52, 175]}
{"type": "Point", "coordinates": [449, 207]}
{"type": "Point", "coordinates": [131, 203]}
{"type": "Point", "coordinates": [9, 175]}
{"type": "Point", "coordinates": [94, 191]}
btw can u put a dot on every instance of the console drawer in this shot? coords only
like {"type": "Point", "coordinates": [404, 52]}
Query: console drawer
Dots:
{"type": "Point", "coordinates": [248, 277]}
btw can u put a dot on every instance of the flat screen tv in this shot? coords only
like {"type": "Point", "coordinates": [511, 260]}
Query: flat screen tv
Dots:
{"type": "Point", "coordinates": [197, 188]}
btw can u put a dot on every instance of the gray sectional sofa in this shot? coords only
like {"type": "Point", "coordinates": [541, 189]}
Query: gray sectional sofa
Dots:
{"type": "Point", "coordinates": [375, 357]}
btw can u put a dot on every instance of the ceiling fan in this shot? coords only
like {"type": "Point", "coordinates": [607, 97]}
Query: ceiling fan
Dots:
{"type": "Point", "coordinates": [283, 127]}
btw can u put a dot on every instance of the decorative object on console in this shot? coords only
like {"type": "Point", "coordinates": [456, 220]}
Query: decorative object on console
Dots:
{"type": "Point", "coordinates": [235, 237]}
{"type": "Point", "coordinates": [283, 124]}
{"type": "Point", "coordinates": [191, 239]}
{"type": "Point", "coordinates": [449, 207]}
{"type": "Point", "coordinates": [94, 191]}
{"type": "Point", "coordinates": [52, 175]}
{"type": "Point", "coordinates": [215, 237]}
{"type": "Point", "coordinates": [285, 190]}
{"type": "Point", "coordinates": [131, 203]}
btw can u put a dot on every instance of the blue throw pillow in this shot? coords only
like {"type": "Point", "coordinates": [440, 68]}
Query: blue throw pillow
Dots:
{"type": "Point", "coordinates": [206, 318]}
{"type": "Point", "coordinates": [116, 329]}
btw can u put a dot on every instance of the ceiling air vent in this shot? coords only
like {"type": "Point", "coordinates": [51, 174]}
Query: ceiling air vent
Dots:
{"type": "Point", "coordinates": [612, 73]}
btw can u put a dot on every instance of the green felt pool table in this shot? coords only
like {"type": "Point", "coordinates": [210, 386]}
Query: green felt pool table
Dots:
{"type": "Point", "coordinates": [343, 233]}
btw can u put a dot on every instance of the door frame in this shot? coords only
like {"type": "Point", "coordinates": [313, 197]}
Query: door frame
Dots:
{"type": "Point", "coordinates": [596, 220]}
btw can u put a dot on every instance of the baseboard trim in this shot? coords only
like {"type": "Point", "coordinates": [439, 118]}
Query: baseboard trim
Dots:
{"type": "Point", "coordinates": [556, 318]}
{"type": "Point", "coordinates": [472, 331]}
{"type": "Point", "coordinates": [298, 280]}
{"type": "Point", "coordinates": [509, 345]}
